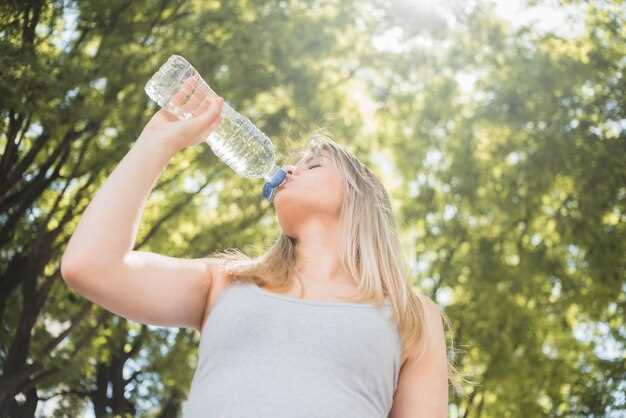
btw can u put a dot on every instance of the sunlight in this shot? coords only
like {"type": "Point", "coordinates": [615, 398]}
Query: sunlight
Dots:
{"type": "Point", "coordinates": [563, 20]}
{"type": "Point", "coordinates": [389, 41]}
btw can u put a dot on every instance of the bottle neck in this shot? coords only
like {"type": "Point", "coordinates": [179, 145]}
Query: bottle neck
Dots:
{"type": "Point", "coordinates": [273, 178]}
{"type": "Point", "coordinates": [275, 175]}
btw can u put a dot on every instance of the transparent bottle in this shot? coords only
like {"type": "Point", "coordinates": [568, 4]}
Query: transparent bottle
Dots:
{"type": "Point", "coordinates": [236, 141]}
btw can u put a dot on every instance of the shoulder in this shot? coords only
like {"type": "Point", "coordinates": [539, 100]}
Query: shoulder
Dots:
{"type": "Point", "coordinates": [216, 271]}
{"type": "Point", "coordinates": [216, 283]}
{"type": "Point", "coordinates": [422, 388]}
{"type": "Point", "coordinates": [432, 310]}
{"type": "Point", "coordinates": [433, 328]}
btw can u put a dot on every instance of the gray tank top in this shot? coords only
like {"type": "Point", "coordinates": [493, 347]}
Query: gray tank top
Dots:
{"type": "Point", "coordinates": [266, 355]}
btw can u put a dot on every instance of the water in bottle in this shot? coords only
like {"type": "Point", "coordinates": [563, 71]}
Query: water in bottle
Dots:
{"type": "Point", "coordinates": [236, 141]}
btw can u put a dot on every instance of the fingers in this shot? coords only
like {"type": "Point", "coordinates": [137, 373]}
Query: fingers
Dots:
{"type": "Point", "coordinates": [208, 103]}
{"type": "Point", "coordinates": [209, 115]}
{"type": "Point", "coordinates": [214, 109]}
{"type": "Point", "coordinates": [212, 115]}
{"type": "Point", "coordinates": [188, 97]}
{"type": "Point", "coordinates": [203, 106]}
{"type": "Point", "coordinates": [199, 127]}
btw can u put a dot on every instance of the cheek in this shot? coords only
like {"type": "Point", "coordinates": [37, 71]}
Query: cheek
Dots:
{"type": "Point", "coordinates": [337, 186]}
{"type": "Point", "coordinates": [331, 191]}
{"type": "Point", "coordinates": [318, 193]}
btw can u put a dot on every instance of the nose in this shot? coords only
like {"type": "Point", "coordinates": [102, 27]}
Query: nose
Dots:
{"type": "Point", "coordinates": [291, 170]}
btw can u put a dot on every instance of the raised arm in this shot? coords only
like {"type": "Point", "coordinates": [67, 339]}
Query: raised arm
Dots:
{"type": "Point", "coordinates": [99, 261]}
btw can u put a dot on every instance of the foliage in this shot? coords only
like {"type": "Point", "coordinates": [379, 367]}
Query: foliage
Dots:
{"type": "Point", "coordinates": [511, 194]}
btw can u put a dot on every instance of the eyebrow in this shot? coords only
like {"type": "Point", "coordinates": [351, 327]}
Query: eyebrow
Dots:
{"type": "Point", "coordinates": [310, 158]}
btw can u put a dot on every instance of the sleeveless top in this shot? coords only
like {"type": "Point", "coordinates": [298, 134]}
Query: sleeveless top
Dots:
{"type": "Point", "coordinates": [266, 355]}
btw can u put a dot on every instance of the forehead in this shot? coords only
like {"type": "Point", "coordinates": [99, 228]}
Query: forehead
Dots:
{"type": "Point", "coordinates": [313, 154]}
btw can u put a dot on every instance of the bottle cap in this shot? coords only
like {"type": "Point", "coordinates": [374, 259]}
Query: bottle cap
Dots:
{"type": "Point", "coordinates": [269, 188]}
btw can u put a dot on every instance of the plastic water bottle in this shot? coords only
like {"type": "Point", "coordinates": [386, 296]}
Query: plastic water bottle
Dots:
{"type": "Point", "coordinates": [236, 141]}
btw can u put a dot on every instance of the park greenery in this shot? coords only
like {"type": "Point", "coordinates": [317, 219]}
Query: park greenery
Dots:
{"type": "Point", "coordinates": [503, 147]}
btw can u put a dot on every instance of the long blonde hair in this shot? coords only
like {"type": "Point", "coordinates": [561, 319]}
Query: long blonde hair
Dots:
{"type": "Point", "coordinates": [370, 251]}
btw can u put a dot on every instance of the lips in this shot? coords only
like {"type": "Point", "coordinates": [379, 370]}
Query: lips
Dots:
{"type": "Point", "coordinates": [283, 184]}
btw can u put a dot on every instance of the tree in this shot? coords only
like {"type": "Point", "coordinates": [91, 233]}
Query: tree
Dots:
{"type": "Point", "coordinates": [72, 104]}
{"type": "Point", "coordinates": [515, 195]}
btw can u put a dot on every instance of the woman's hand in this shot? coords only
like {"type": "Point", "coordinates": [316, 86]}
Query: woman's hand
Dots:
{"type": "Point", "coordinates": [177, 133]}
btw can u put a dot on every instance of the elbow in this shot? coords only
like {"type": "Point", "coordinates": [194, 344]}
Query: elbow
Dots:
{"type": "Point", "coordinates": [70, 269]}
{"type": "Point", "coordinates": [67, 270]}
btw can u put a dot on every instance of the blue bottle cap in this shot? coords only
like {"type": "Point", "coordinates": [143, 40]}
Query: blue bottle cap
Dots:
{"type": "Point", "coordinates": [269, 188]}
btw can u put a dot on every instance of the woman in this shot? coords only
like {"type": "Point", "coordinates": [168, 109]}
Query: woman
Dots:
{"type": "Point", "coordinates": [323, 324]}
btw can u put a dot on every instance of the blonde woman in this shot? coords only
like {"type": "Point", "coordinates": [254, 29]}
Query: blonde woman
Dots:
{"type": "Point", "coordinates": [324, 324]}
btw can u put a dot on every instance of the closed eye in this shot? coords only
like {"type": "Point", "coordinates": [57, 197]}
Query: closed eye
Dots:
{"type": "Point", "coordinates": [313, 166]}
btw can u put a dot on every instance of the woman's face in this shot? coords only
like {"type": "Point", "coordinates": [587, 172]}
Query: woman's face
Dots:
{"type": "Point", "coordinates": [313, 190]}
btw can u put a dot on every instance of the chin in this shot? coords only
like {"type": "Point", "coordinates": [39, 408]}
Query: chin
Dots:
{"type": "Point", "coordinates": [286, 227]}
{"type": "Point", "coordinates": [288, 213]}
{"type": "Point", "coordinates": [283, 214]}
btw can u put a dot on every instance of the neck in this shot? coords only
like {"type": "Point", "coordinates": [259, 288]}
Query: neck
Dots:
{"type": "Point", "coordinates": [317, 256]}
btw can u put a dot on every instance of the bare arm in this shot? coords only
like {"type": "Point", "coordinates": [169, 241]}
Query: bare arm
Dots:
{"type": "Point", "coordinates": [423, 383]}
{"type": "Point", "coordinates": [99, 261]}
{"type": "Point", "coordinates": [107, 230]}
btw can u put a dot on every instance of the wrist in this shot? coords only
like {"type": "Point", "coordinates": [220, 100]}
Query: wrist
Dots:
{"type": "Point", "coordinates": [154, 144]}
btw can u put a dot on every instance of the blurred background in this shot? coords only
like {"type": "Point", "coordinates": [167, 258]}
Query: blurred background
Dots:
{"type": "Point", "coordinates": [498, 128]}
